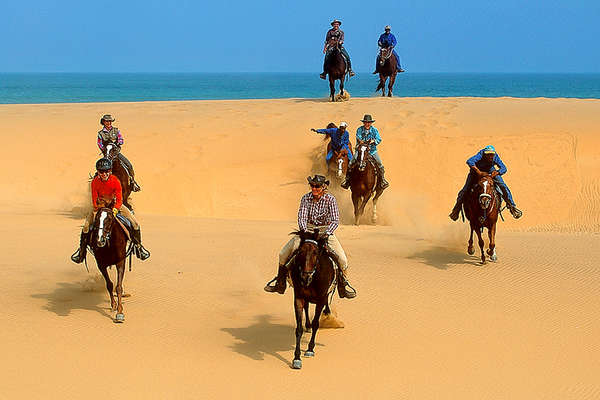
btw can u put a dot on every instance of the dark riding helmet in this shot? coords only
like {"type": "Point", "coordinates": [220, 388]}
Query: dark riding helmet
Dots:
{"type": "Point", "coordinates": [104, 164]}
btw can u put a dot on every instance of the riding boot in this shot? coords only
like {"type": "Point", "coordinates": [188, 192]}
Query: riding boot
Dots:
{"type": "Point", "coordinates": [383, 184]}
{"type": "Point", "coordinates": [455, 211]}
{"type": "Point", "coordinates": [140, 251]}
{"type": "Point", "coordinates": [322, 75]}
{"type": "Point", "coordinates": [81, 252]}
{"type": "Point", "coordinates": [344, 288]}
{"type": "Point", "coordinates": [346, 183]}
{"type": "Point", "coordinates": [280, 284]}
{"type": "Point", "coordinates": [134, 185]}
{"type": "Point", "coordinates": [514, 211]}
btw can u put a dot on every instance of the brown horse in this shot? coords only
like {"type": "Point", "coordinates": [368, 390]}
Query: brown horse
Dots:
{"type": "Point", "coordinates": [338, 165]}
{"type": "Point", "coordinates": [108, 242]}
{"type": "Point", "coordinates": [388, 68]}
{"type": "Point", "coordinates": [363, 182]}
{"type": "Point", "coordinates": [482, 205]}
{"type": "Point", "coordinates": [112, 151]}
{"type": "Point", "coordinates": [313, 277]}
{"type": "Point", "coordinates": [335, 67]}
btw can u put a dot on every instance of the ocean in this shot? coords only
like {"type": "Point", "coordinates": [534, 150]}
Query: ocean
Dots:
{"type": "Point", "coordinates": [31, 88]}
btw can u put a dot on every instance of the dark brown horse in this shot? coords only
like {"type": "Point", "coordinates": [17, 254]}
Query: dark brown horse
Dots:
{"type": "Point", "coordinates": [482, 205]}
{"type": "Point", "coordinates": [112, 151]}
{"type": "Point", "coordinates": [387, 68]}
{"type": "Point", "coordinates": [335, 67]}
{"type": "Point", "coordinates": [363, 182]}
{"type": "Point", "coordinates": [313, 278]}
{"type": "Point", "coordinates": [108, 242]}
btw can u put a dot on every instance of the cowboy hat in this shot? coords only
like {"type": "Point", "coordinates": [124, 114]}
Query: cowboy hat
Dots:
{"type": "Point", "coordinates": [367, 118]}
{"type": "Point", "coordinates": [335, 20]}
{"type": "Point", "coordinates": [387, 27]}
{"type": "Point", "coordinates": [319, 180]}
{"type": "Point", "coordinates": [107, 117]}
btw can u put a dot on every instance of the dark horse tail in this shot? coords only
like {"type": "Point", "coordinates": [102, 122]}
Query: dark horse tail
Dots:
{"type": "Point", "coordinates": [380, 86]}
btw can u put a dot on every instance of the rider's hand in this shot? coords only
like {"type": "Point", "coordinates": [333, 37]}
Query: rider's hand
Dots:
{"type": "Point", "coordinates": [115, 211]}
{"type": "Point", "coordinates": [314, 130]}
{"type": "Point", "coordinates": [495, 174]}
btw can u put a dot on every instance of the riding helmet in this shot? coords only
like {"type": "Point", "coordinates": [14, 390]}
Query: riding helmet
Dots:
{"type": "Point", "coordinates": [104, 164]}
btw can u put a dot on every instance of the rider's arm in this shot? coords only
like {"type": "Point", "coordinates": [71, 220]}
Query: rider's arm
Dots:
{"type": "Point", "coordinates": [393, 40]}
{"type": "Point", "coordinates": [303, 215]}
{"type": "Point", "coordinates": [471, 162]}
{"type": "Point", "coordinates": [120, 138]}
{"type": "Point", "coordinates": [341, 40]}
{"type": "Point", "coordinates": [502, 168]}
{"type": "Point", "coordinates": [100, 144]}
{"type": "Point", "coordinates": [118, 193]}
{"type": "Point", "coordinates": [335, 216]}
{"type": "Point", "coordinates": [326, 131]}
{"type": "Point", "coordinates": [377, 137]}
{"type": "Point", "coordinates": [95, 194]}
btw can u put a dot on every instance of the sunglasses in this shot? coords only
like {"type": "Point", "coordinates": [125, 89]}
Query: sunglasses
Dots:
{"type": "Point", "coordinates": [104, 172]}
{"type": "Point", "coordinates": [316, 186]}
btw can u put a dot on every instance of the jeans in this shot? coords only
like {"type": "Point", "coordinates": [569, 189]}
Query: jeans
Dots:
{"type": "Point", "coordinates": [330, 154]}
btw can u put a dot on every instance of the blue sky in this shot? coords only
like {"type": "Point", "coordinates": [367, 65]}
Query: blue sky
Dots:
{"type": "Point", "coordinates": [275, 36]}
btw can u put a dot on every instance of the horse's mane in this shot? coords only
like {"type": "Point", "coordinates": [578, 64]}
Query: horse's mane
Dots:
{"type": "Point", "coordinates": [310, 235]}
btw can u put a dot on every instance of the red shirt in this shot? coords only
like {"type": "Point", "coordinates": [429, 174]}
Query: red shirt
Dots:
{"type": "Point", "coordinates": [107, 191]}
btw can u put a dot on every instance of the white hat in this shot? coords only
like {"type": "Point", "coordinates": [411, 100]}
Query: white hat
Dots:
{"type": "Point", "coordinates": [343, 124]}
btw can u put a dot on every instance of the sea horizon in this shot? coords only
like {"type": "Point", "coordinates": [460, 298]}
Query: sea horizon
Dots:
{"type": "Point", "coordinates": [98, 87]}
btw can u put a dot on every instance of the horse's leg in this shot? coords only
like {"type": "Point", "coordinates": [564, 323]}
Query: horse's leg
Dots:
{"type": "Point", "coordinates": [120, 317]}
{"type": "Point", "coordinates": [382, 80]}
{"type": "Point", "coordinates": [363, 204]}
{"type": "Point", "coordinates": [470, 249]}
{"type": "Point", "coordinates": [109, 287]}
{"type": "Point", "coordinates": [391, 84]}
{"type": "Point", "coordinates": [315, 327]}
{"type": "Point", "coordinates": [492, 248]}
{"type": "Point", "coordinates": [374, 217]}
{"type": "Point", "coordinates": [355, 201]}
{"type": "Point", "coordinates": [342, 86]}
{"type": "Point", "coordinates": [481, 244]}
{"type": "Point", "coordinates": [331, 88]}
{"type": "Point", "coordinates": [298, 307]}
{"type": "Point", "coordinates": [306, 318]}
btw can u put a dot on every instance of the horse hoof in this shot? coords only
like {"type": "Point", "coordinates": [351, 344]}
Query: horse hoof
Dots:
{"type": "Point", "coordinates": [308, 353]}
{"type": "Point", "coordinates": [120, 317]}
{"type": "Point", "coordinates": [471, 251]}
{"type": "Point", "coordinates": [297, 364]}
{"type": "Point", "coordinates": [494, 257]}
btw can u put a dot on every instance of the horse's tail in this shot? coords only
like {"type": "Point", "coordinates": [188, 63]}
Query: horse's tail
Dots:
{"type": "Point", "coordinates": [380, 86]}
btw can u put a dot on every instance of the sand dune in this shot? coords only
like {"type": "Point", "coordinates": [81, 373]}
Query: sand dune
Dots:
{"type": "Point", "coordinates": [221, 183]}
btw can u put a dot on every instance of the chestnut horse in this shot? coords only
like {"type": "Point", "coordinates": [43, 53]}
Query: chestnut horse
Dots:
{"type": "Point", "coordinates": [363, 182]}
{"type": "Point", "coordinates": [482, 205]}
{"type": "Point", "coordinates": [112, 151]}
{"type": "Point", "coordinates": [388, 68]}
{"type": "Point", "coordinates": [335, 67]}
{"type": "Point", "coordinates": [313, 277]}
{"type": "Point", "coordinates": [108, 242]}
{"type": "Point", "coordinates": [338, 165]}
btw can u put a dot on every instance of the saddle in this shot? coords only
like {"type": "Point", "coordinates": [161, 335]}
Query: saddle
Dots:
{"type": "Point", "coordinates": [328, 54]}
{"type": "Point", "coordinates": [126, 225]}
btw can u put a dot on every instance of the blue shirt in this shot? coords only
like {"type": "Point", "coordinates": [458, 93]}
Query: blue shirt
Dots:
{"type": "Point", "coordinates": [337, 141]}
{"type": "Point", "coordinates": [372, 134]}
{"type": "Point", "coordinates": [485, 166]}
{"type": "Point", "coordinates": [387, 40]}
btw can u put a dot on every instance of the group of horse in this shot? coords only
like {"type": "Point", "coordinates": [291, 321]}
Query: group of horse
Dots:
{"type": "Point", "coordinates": [336, 69]}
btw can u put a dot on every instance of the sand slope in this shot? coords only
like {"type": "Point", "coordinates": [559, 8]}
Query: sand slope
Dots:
{"type": "Point", "coordinates": [221, 183]}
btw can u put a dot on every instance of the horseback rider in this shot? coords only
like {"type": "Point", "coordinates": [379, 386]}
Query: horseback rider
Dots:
{"type": "Point", "coordinates": [338, 35]}
{"type": "Point", "coordinates": [318, 210]}
{"type": "Point", "coordinates": [112, 134]}
{"type": "Point", "coordinates": [387, 40]}
{"type": "Point", "coordinates": [339, 140]}
{"type": "Point", "coordinates": [107, 189]}
{"type": "Point", "coordinates": [369, 133]}
{"type": "Point", "coordinates": [481, 164]}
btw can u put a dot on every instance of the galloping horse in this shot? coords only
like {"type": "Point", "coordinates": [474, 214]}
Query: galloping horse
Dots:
{"type": "Point", "coordinates": [112, 151]}
{"type": "Point", "coordinates": [109, 245]}
{"type": "Point", "coordinates": [482, 205]}
{"type": "Point", "coordinates": [363, 182]}
{"type": "Point", "coordinates": [388, 68]}
{"type": "Point", "coordinates": [313, 278]}
{"type": "Point", "coordinates": [335, 67]}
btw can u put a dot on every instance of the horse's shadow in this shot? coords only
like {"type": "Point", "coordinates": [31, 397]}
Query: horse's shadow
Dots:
{"type": "Point", "coordinates": [68, 296]}
{"type": "Point", "coordinates": [264, 338]}
{"type": "Point", "coordinates": [441, 257]}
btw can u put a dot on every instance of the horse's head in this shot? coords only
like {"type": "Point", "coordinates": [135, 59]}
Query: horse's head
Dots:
{"type": "Point", "coordinates": [311, 247]}
{"type": "Point", "coordinates": [485, 190]}
{"type": "Point", "coordinates": [103, 224]}
{"type": "Point", "coordinates": [341, 160]}
{"type": "Point", "coordinates": [362, 153]}
{"type": "Point", "coordinates": [384, 54]}
{"type": "Point", "coordinates": [111, 151]}
{"type": "Point", "coordinates": [332, 44]}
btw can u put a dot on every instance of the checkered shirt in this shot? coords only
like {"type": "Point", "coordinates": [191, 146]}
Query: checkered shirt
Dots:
{"type": "Point", "coordinates": [323, 212]}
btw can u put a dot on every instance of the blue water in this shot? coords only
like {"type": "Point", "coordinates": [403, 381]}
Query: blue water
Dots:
{"type": "Point", "coordinates": [18, 88]}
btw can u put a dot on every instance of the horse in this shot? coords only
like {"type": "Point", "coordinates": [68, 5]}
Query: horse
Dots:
{"type": "Point", "coordinates": [338, 165]}
{"type": "Point", "coordinates": [388, 68]}
{"type": "Point", "coordinates": [108, 242]}
{"type": "Point", "coordinates": [335, 67]}
{"type": "Point", "coordinates": [112, 151]}
{"type": "Point", "coordinates": [482, 205]}
{"type": "Point", "coordinates": [313, 278]}
{"type": "Point", "coordinates": [364, 182]}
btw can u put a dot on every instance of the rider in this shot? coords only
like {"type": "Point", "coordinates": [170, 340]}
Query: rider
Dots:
{"type": "Point", "coordinates": [481, 164]}
{"type": "Point", "coordinates": [112, 134]}
{"type": "Point", "coordinates": [369, 133]}
{"type": "Point", "coordinates": [339, 140]}
{"type": "Point", "coordinates": [318, 210]}
{"type": "Point", "coordinates": [388, 40]}
{"type": "Point", "coordinates": [337, 34]}
{"type": "Point", "coordinates": [107, 188]}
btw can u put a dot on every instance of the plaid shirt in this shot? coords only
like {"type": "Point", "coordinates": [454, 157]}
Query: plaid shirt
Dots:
{"type": "Point", "coordinates": [320, 213]}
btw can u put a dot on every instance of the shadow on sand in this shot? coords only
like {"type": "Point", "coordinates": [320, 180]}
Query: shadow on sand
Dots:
{"type": "Point", "coordinates": [264, 338]}
{"type": "Point", "coordinates": [76, 296]}
{"type": "Point", "coordinates": [441, 257]}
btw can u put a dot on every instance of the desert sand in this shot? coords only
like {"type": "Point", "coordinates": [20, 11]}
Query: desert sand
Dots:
{"type": "Point", "coordinates": [221, 182]}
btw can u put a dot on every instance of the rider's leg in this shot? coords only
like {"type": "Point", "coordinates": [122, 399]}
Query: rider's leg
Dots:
{"type": "Point", "coordinates": [507, 195]}
{"type": "Point", "coordinates": [399, 67]}
{"type": "Point", "coordinates": [129, 168]}
{"type": "Point", "coordinates": [284, 257]}
{"type": "Point", "coordinates": [335, 248]}
{"type": "Point", "coordinates": [328, 157]}
{"type": "Point", "coordinates": [459, 198]}
{"type": "Point", "coordinates": [384, 184]}
{"type": "Point", "coordinates": [140, 252]}
{"type": "Point", "coordinates": [376, 64]}
{"type": "Point", "coordinates": [322, 75]}
{"type": "Point", "coordinates": [346, 183]}
{"type": "Point", "coordinates": [84, 240]}
{"type": "Point", "coordinates": [345, 53]}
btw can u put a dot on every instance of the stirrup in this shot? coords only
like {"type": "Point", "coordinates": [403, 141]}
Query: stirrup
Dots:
{"type": "Point", "coordinates": [76, 257]}
{"type": "Point", "coordinates": [351, 73]}
{"type": "Point", "coordinates": [322, 75]}
{"type": "Point", "coordinates": [515, 212]}
{"type": "Point", "coordinates": [135, 187]}
{"type": "Point", "coordinates": [348, 294]}
{"type": "Point", "coordinates": [274, 288]}
{"type": "Point", "coordinates": [141, 252]}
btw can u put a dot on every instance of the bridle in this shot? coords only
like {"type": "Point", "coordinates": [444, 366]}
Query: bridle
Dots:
{"type": "Point", "coordinates": [362, 149]}
{"type": "Point", "coordinates": [105, 221]}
